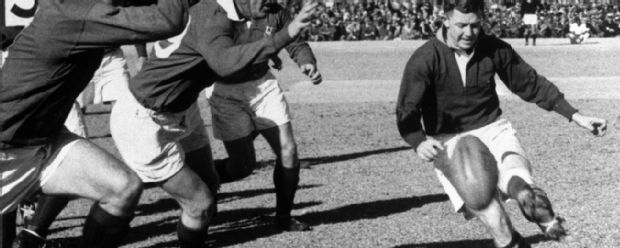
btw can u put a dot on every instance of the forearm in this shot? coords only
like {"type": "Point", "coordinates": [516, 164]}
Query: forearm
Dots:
{"type": "Point", "coordinates": [226, 58]}
{"type": "Point", "coordinates": [301, 53]}
{"type": "Point", "coordinates": [107, 24]}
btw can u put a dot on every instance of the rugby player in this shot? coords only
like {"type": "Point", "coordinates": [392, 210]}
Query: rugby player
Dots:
{"type": "Point", "coordinates": [448, 111]}
{"type": "Point", "coordinates": [39, 85]}
{"type": "Point", "coordinates": [157, 126]}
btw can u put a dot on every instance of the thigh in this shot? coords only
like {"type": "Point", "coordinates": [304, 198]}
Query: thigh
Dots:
{"type": "Point", "coordinates": [270, 107]}
{"type": "Point", "coordinates": [231, 118]}
{"type": "Point", "coordinates": [197, 137]}
{"type": "Point", "coordinates": [88, 171]}
{"type": "Point", "coordinates": [187, 188]}
{"type": "Point", "coordinates": [279, 137]}
{"type": "Point", "coordinates": [148, 144]}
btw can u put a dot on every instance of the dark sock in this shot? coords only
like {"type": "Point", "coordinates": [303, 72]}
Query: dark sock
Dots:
{"type": "Point", "coordinates": [48, 208]}
{"type": "Point", "coordinates": [285, 181]}
{"type": "Point", "coordinates": [189, 238]}
{"type": "Point", "coordinates": [222, 172]}
{"type": "Point", "coordinates": [103, 229]}
{"type": "Point", "coordinates": [534, 40]}
{"type": "Point", "coordinates": [7, 228]}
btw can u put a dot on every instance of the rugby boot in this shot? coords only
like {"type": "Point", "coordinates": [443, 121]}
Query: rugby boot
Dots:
{"type": "Point", "coordinates": [290, 224]}
{"type": "Point", "coordinates": [517, 242]}
{"type": "Point", "coordinates": [536, 207]}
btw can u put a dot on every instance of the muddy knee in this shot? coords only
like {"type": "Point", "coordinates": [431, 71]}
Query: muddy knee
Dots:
{"type": "Point", "coordinates": [473, 172]}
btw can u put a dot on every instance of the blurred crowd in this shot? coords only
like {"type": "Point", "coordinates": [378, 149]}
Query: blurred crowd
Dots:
{"type": "Point", "coordinates": [382, 20]}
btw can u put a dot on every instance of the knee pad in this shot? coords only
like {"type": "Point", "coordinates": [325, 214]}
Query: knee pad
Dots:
{"type": "Point", "coordinates": [473, 172]}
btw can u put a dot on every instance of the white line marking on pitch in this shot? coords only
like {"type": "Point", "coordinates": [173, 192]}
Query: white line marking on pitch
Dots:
{"type": "Point", "coordinates": [387, 90]}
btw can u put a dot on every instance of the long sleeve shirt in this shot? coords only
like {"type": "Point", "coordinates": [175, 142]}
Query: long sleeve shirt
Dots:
{"type": "Point", "coordinates": [215, 48]}
{"type": "Point", "coordinates": [55, 57]}
{"type": "Point", "coordinates": [433, 100]}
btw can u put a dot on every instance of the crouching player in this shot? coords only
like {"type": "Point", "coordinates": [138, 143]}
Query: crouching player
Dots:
{"type": "Point", "coordinates": [448, 84]}
{"type": "Point", "coordinates": [157, 126]}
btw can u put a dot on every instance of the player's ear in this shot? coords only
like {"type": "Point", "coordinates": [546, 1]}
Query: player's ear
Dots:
{"type": "Point", "coordinates": [446, 22]}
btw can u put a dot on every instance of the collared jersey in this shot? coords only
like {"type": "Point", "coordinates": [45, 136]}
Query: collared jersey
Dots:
{"type": "Point", "coordinates": [54, 58]}
{"type": "Point", "coordinates": [215, 48]}
{"type": "Point", "coordinates": [432, 92]}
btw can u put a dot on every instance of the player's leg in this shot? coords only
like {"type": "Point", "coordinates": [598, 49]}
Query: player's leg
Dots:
{"type": "Point", "coordinates": [515, 179]}
{"type": "Point", "coordinates": [7, 228]}
{"type": "Point", "coordinates": [272, 119]}
{"type": "Point", "coordinates": [285, 175]}
{"type": "Point", "coordinates": [533, 201]}
{"type": "Point", "coordinates": [88, 171]}
{"type": "Point", "coordinates": [471, 171]}
{"type": "Point", "coordinates": [197, 204]}
{"type": "Point", "coordinates": [37, 226]}
{"type": "Point", "coordinates": [233, 125]}
{"type": "Point", "coordinates": [534, 32]}
{"type": "Point", "coordinates": [241, 159]}
{"type": "Point", "coordinates": [526, 34]}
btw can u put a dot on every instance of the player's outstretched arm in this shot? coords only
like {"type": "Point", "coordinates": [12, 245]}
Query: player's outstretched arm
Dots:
{"type": "Point", "coordinates": [215, 40]}
{"type": "Point", "coordinates": [596, 126]}
{"type": "Point", "coordinates": [112, 25]}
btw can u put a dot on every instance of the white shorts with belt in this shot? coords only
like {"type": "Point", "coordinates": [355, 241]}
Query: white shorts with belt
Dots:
{"type": "Point", "coordinates": [153, 143]}
{"type": "Point", "coordinates": [501, 140]}
{"type": "Point", "coordinates": [240, 109]}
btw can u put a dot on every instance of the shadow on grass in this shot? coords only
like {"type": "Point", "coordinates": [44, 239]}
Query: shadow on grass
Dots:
{"type": "Point", "coordinates": [482, 243]}
{"type": "Point", "coordinates": [306, 163]}
{"type": "Point", "coordinates": [231, 196]}
{"type": "Point", "coordinates": [167, 204]}
{"type": "Point", "coordinates": [345, 157]}
{"type": "Point", "coordinates": [372, 210]}
{"type": "Point", "coordinates": [229, 227]}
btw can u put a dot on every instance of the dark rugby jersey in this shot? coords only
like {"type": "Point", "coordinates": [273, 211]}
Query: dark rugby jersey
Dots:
{"type": "Point", "coordinates": [215, 48]}
{"type": "Point", "coordinates": [55, 57]}
{"type": "Point", "coordinates": [530, 8]}
{"type": "Point", "coordinates": [432, 90]}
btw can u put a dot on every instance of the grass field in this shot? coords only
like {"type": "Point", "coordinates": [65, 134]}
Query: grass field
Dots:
{"type": "Point", "coordinates": [363, 187]}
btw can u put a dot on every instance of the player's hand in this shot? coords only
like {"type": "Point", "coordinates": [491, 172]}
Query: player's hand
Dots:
{"type": "Point", "coordinates": [303, 18]}
{"type": "Point", "coordinates": [596, 126]}
{"type": "Point", "coordinates": [312, 72]}
{"type": "Point", "coordinates": [429, 149]}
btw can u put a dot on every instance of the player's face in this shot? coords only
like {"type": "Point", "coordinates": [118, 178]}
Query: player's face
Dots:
{"type": "Point", "coordinates": [260, 8]}
{"type": "Point", "coordinates": [463, 29]}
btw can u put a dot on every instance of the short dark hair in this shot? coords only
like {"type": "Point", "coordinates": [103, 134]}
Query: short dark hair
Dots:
{"type": "Point", "coordinates": [464, 6]}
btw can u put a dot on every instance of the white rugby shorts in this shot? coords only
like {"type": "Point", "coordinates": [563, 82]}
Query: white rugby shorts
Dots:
{"type": "Point", "coordinates": [501, 139]}
{"type": "Point", "coordinates": [110, 79]}
{"type": "Point", "coordinates": [240, 109]}
{"type": "Point", "coordinates": [23, 171]}
{"type": "Point", "coordinates": [152, 143]}
{"type": "Point", "coordinates": [530, 19]}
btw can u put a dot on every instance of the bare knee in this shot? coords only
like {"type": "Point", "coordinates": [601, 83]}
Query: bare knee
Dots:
{"type": "Point", "coordinates": [200, 206]}
{"type": "Point", "coordinates": [288, 155]}
{"type": "Point", "coordinates": [124, 194]}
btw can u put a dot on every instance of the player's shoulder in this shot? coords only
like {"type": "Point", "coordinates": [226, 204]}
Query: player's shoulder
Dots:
{"type": "Point", "coordinates": [428, 50]}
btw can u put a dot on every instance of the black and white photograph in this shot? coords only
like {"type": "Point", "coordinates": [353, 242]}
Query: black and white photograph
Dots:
{"type": "Point", "coordinates": [309, 123]}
